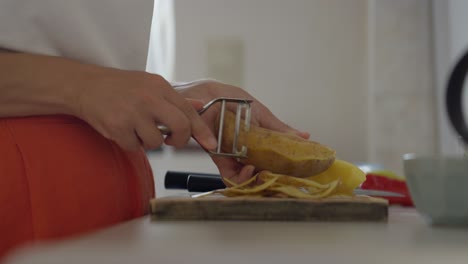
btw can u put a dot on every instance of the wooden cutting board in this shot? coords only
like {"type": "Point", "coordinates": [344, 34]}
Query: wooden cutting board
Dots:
{"type": "Point", "coordinates": [359, 208]}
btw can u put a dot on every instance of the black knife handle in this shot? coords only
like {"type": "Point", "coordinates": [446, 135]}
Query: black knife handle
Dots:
{"type": "Point", "coordinates": [204, 183]}
{"type": "Point", "coordinates": [180, 179]}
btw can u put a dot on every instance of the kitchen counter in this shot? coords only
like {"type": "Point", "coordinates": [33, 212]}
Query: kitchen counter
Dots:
{"type": "Point", "coordinates": [406, 238]}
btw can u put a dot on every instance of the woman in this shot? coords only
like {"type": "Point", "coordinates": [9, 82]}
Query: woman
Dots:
{"type": "Point", "coordinates": [77, 111]}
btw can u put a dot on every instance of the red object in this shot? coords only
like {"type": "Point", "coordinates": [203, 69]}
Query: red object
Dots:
{"type": "Point", "coordinates": [383, 183]}
{"type": "Point", "coordinates": [60, 178]}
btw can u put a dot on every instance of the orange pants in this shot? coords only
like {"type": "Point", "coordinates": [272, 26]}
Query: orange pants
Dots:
{"type": "Point", "coordinates": [59, 177]}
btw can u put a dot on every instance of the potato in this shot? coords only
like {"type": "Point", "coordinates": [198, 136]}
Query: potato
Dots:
{"type": "Point", "coordinates": [349, 175]}
{"type": "Point", "coordinates": [277, 152]}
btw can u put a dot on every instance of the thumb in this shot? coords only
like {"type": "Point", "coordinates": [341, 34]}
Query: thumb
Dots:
{"type": "Point", "coordinates": [196, 103]}
{"type": "Point", "coordinates": [270, 121]}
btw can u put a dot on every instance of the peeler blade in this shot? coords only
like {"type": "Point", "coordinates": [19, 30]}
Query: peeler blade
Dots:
{"type": "Point", "coordinates": [243, 108]}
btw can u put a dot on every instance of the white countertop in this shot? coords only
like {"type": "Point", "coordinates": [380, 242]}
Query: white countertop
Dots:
{"type": "Point", "coordinates": [406, 238]}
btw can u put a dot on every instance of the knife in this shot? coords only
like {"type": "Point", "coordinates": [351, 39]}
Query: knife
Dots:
{"type": "Point", "coordinates": [205, 182]}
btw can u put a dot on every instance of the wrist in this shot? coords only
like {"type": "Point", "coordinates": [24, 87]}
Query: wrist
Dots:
{"type": "Point", "coordinates": [80, 80]}
{"type": "Point", "coordinates": [74, 82]}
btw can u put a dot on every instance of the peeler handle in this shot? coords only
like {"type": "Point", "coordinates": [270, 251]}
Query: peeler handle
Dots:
{"type": "Point", "coordinates": [164, 130]}
{"type": "Point", "coordinates": [242, 104]}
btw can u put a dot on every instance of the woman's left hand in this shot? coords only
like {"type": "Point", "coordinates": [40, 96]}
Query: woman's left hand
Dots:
{"type": "Point", "coordinates": [207, 90]}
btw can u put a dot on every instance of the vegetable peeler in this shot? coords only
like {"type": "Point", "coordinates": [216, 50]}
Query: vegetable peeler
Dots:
{"type": "Point", "coordinates": [243, 110]}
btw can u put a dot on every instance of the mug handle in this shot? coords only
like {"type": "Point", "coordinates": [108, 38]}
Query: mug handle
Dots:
{"type": "Point", "coordinates": [453, 98]}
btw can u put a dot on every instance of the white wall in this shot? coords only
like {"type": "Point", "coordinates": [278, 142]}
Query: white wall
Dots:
{"type": "Point", "coordinates": [305, 59]}
{"type": "Point", "coordinates": [401, 86]}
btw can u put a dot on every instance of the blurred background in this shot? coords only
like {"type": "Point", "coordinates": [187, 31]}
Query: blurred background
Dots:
{"type": "Point", "coordinates": [366, 77]}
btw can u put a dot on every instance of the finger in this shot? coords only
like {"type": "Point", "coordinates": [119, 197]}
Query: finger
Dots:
{"type": "Point", "coordinates": [196, 103]}
{"type": "Point", "coordinates": [127, 140]}
{"type": "Point", "coordinates": [270, 121]}
{"type": "Point", "coordinates": [232, 170]}
{"type": "Point", "coordinates": [209, 115]}
{"type": "Point", "coordinates": [200, 130]}
{"type": "Point", "coordinates": [177, 122]}
{"type": "Point", "coordinates": [246, 173]}
{"type": "Point", "coordinates": [121, 132]}
{"type": "Point", "coordinates": [149, 135]}
{"type": "Point", "coordinates": [304, 135]}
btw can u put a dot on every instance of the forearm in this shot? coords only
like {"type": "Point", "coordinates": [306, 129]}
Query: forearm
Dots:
{"type": "Point", "coordinates": [38, 85]}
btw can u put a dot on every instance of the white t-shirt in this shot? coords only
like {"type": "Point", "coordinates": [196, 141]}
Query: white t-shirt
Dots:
{"type": "Point", "coordinates": [112, 33]}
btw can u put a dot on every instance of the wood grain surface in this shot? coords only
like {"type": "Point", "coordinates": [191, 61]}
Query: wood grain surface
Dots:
{"type": "Point", "coordinates": [359, 208]}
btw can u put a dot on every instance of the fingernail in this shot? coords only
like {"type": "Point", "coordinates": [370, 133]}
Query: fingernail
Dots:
{"type": "Point", "coordinates": [212, 143]}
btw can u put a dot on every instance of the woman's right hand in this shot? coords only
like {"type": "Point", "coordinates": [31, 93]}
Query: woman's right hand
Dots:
{"type": "Point", "coordinates": [124, 106]}
{"type": "Point", "coordinates": [127, 106]}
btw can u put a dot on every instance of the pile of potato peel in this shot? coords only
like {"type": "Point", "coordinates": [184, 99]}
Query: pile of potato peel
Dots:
{"type": "Point", "coordinates": [339, 180]}
{"type": "Point", "coordinates": [278, 185]}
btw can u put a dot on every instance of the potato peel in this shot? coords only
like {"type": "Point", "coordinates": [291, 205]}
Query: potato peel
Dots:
{"type": "Point", "coordinates": [252, 190]}
{"type": "Point", "coordinates": [293, 192]}
{"type": "Point", "coordinates": [246, 183]}
{"type": "Point", "coordinates": [278, 185]}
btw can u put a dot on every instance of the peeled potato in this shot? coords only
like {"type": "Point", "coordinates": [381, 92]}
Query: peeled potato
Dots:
{"type": "Point", "coordinates": [350, 177]}
{"type": "Point", "coordinates": [278, 152]}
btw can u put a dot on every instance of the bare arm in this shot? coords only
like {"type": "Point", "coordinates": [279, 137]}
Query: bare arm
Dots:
{"type": "Point", "coordinates": [37, 85]}
{"type": "Point", "coordinates": [124, 106]}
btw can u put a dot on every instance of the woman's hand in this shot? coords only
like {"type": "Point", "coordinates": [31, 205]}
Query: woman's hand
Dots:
{"type": "Point", "coordinates": [126, 107]}
{"type": "Point", "coordinates": [206, 90]}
